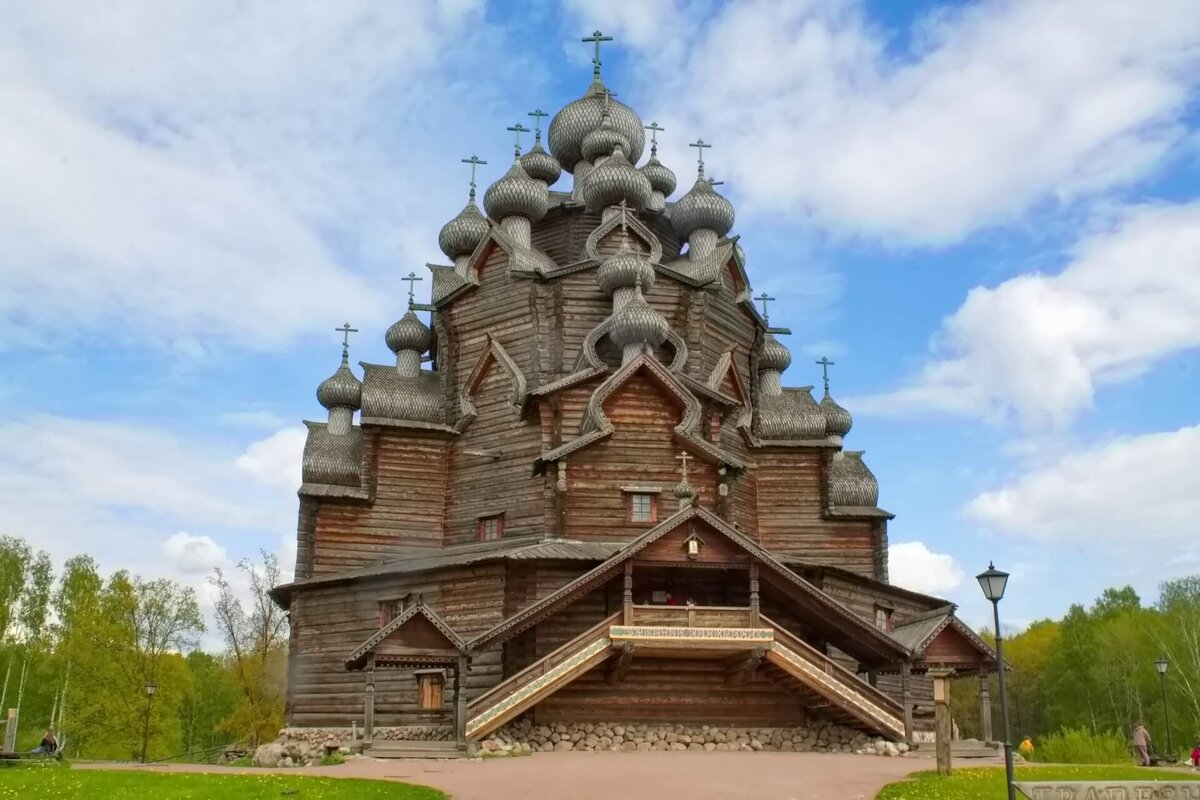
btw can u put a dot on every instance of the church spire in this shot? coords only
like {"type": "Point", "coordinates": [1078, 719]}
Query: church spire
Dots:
{"type": "Point", "coordinates": [341, 392]}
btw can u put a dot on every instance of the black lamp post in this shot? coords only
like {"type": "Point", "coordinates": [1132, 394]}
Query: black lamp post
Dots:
{"type": "Point", "coordinates": [151, 688]}
{"type": "Point", "coordinates": [1161, 665]}
{"type": "Point", "coordinates": [993, 582]}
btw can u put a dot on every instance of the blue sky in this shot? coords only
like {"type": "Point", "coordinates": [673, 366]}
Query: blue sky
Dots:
{"type": "Point", "coordinates": [986, 213]}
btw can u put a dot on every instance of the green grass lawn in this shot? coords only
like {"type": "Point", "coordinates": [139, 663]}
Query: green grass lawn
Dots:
{"type": "Point", "coordinates": [55, 783]}
{"type": "Point", "coordinates": [987, 783]}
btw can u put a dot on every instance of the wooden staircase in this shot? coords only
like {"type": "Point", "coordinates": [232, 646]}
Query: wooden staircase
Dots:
{"type": "Point", "coordinates": [531, 685]}
{"type": "Point", "coordinates": [848, 695]}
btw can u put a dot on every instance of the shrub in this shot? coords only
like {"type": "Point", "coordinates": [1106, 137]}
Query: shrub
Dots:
{"type": "Point", "coordinates": [332, 759]}
{"type": "Point", "coordinates": [1082, 746]}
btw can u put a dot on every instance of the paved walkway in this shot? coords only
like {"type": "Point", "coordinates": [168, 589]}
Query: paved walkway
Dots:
{"type": "Point", "coordinates": [630, 776]}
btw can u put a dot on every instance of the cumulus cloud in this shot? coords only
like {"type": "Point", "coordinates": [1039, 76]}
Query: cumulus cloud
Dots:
{"type": "Point", "coordinates": [993, 110]}
{"type": "Point", "coordinates": [1130, 490]}
{"type": "Point", "coordinates": [275, 461]}
{"type": "Point", "coordinates": [914, 566]}
{"type": "Point", "coordinates": [1039, 346]}
{"type": "Point", "coordinates": [194, 555]}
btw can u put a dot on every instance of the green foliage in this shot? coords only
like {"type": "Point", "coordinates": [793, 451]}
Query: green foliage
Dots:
{"type": "Point", "coordinates": [78, 784]}
{"type": "Point", "coordinates": [988, 783]}
{"type": "Point", "coordinates": [332, 759]}
{"type": "Point", "coordinates": [1082, 746]}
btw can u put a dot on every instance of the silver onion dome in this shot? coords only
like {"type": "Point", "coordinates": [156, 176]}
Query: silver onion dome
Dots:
{"type": "Point", "coordinates": [614, 180]}
{"type": "Point", "coordinates": [603, 140]}
{"type": "Point", "coordinates": [638, 322]}
{"type": "Point", "coordinates": [341, 388]}
{"type": "Point", "coordinates": [461, 235]}
{"type": "Point", "coordinates": [408, 333]}
{"type": "Point", "coordinates": [837, 419]}
{"type": "Point", "coordinates": [516, 193]}
{"type": "Point", "coordinates": [580, 117]}
{"type": "Point", "coordinates": [775, 355]}
{"type": "Point", "coordinates": [661, 179]}
{"type": "Point", "coordinates": [700, 208]}
{"type": "Point", "coordinates": [624, 269]}
{"type": "Point", "coordinates": [540, 165]}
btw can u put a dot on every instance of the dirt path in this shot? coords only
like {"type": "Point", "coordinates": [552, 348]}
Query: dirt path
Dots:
{"type": "Point", "coordinates": [630, 776]}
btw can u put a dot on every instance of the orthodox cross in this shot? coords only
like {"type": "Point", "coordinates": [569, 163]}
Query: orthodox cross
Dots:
{"type": "Point", "coordinates": [762, 298]}
{"type": "Point", "coordinates": [825, 365]}
{"type": "Point", "coordinates": [412, 285]}
{"type": "Point", "coordinates": [683, 459]}
{"type": "Point", "coordinates": [699, 144]}
{"type": "Point", "coordinates": [537, 115]}
{"type": "Point", "coordinates": [715, 182]}
{"type": "Point", "coordinates": [474, 161]}
{"type": "Point", "coordinates": [596, 37]}
{"type": "Point", "coordinates": [346, 330]}
{"type": "Point", "coordinates": [519, 128]}
{"type": "Point", "coordinates": [654, 129]}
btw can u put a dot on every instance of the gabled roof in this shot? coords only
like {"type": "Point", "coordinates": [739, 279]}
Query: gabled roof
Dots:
{"type": "Point", "coordinates": [359, 655]}
{"type": "Point", "coordinates": [493, 351]}
{"type": "Point", "coordinates": [918, 633]}
{"type": "Point", "coordinates": [936, 604]}
{"type": "Point", "coordinates": [842, 625]}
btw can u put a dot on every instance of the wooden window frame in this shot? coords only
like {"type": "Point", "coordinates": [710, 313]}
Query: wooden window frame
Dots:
{"type": "Point", "coordinates": [629, 507]}
{"type": "Point", "coordinates": [389, 610]}
{"type": "Point", "coordinates": [888, 625]}
{"type": "Point", "coordinates": [431, 687]}
{"type": "Point", "coordinates": [481, 527]}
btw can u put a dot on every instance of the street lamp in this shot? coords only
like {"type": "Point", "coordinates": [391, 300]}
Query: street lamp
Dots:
{"type": "Point", "coordinates": [1161, 665]}
{"type": "Point", "coordinates": [993, 583]}
{"type": "Point", "coordinates": [151, 688]}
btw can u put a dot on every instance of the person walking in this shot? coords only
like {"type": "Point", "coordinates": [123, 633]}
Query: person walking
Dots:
{"type": "Point", "coordinates": [1141, 745]}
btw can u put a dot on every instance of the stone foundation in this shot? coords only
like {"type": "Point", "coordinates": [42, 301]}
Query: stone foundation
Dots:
{"type": "Point", "coordinates": [334, 737]}
{"type": "Point", "coordinates": [524, 737]}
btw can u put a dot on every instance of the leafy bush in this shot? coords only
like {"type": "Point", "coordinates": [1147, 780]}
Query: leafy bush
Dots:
{"type": "Point", "coordinates": [1082, 746]}
{"type": "Point", "coordinates": [332, 759]}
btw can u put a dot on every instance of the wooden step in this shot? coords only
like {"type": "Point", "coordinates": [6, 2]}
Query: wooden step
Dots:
{"type": "Point", "coordinates": [414, 749]}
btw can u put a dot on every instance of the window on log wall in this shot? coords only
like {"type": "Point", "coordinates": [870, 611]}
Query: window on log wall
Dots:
{"type": "Point", "coordinates": [431, 686]}
{"type": "Point", "coordinates": [491, 527]}
{"type": "Point", "coordinates": [643, 507]}
{"type": "Point", "coordinates": [883, 618]}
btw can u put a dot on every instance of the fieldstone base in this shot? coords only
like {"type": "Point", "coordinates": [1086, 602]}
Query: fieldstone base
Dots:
{"type": "Point", "coordinates": [523, 737]}
{"type": "Point", "coordinates": [303, 747]}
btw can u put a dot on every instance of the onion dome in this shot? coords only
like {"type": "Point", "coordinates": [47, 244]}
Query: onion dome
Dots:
{"type": "Point", "coordinates": [837, 419]}
{"type": "Point", "coordinates": [638, 322]}
{"type": "Point", "coordinates": [516, 193]}
{"type": "Point", "coordinates": [540, 165]}
{"type": "Point", "coordinates": [341, 388]}
{"type": "Point", "coordinates": [461, 235]}
{"type": "Point", "coordinates": [409, 333]}
{"type": "Point", "coordinates": [661, 179]}
{"type": "Point", "coordinates": [851, 482]}
{"type": "Point", "coordinates": [580, 117]}
{"type": "Point", "coordinates": [775, 355]}
{"type": "Point", "coordinates": [614, 180]}
{"type": "Point", "coordinates": [702, 207]}
{"type": "Point", "coordinates": [603, 140]}
{"type": "Point", "coordinates": [685, 493]}
{"type": "Point", "coordinates": [624, 269]}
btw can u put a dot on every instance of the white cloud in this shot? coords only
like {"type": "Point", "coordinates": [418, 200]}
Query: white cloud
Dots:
{"type": "Point", "coordinates": [1131, 490]}
{"type": "Point", "coordinates": [194, 555]}
{"type": "Point", "coordinates": [996, 109]}
{"type": "Point", "coordinates": [275, 461]}
{"type": "Point", "coordinates": [253, 418]}
{"type": "Point", "coordinates": [1039, 346]}
{"type": "Point", "coordinates": [227, 172]}
{"type": "Point", "coordinates": [914, 566]}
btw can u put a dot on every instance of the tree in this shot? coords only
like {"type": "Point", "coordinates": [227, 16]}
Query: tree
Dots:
{"type": "Point", "coordinates": [257, 642]}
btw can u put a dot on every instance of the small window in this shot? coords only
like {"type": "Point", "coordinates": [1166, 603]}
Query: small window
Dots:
{"type": "Point", "coordinates": [643, 507]}
{"type": "Point", "coordinates": [491, 527]}
{"type": "Point", "coordinates": [431, 689]}
{"type": "Point", "coordinates": [883, 618]}
{"type": "Point", "coordinates": [389, 610]}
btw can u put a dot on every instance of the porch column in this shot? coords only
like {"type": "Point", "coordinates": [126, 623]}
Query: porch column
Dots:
{"type": "Point", "coordinates": [754, 595]}
{"type": "Point", "coordinates": [985, 708]}
{"type": "Point", "coordinates": [943, 725]}
{"type": "Point", "coordinates": [460, 702]}
{"type": "Point", "coordinates": [906, 700]}
{"type": "Point", "coordinates": [369, 704]}
{"type": "Point", "coordinates": [627, 600]}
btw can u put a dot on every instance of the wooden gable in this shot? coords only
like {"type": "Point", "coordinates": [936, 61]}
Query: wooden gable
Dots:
{"type": "Point", "coordinates": [951, 647]}
{"type": "Point", "coordinates": [715, 549]}
{"type": "Point", "coordinates": [417, 637]}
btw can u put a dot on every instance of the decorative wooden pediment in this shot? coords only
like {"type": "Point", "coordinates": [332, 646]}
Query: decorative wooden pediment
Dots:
{"type": "Point", "coordinates": [643, 237]}
{"type": "Point", "coordinates": [727, 378]}
{"type": "Point", "coordinates": [416, 636]}
{"type": "Point", "coordinates": [493, 354]}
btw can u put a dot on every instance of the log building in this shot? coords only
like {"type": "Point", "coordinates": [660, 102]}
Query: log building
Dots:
{"type": "Point", "coordinates": [582, 491]}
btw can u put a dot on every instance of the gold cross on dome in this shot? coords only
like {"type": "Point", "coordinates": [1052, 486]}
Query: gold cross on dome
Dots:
{"type": "Point", "coordinates": [412, 285]}
{"type": "Point", "coordinates": [825, 365]}
{"type": "Point", "coordinates": [596, 37]}
{"type": "Point", "coordinates": [683, 458]}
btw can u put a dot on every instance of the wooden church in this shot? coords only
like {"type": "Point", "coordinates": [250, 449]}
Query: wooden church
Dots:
{"type": "Point", "coordinates": [582, 491]}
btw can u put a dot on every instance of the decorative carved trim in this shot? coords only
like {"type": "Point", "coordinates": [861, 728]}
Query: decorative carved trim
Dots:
{"type": "Point", "coordinates": [387, 630]}
{"type": "Point", "coordinates": [592, 246]}
{"type": "Point", "coordinates": [492, 351]}
{"type": "Point", "coordinates": [724, 366]}
{"type": "Point", "coordinates": [866, 710]}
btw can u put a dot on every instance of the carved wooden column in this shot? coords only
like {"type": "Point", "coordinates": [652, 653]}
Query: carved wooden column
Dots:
{"type": "Point", "coordinates": [627, 598]}
{"type": "Point", "coordinates": [943, 724]}
{"type": "Point", "coordinates": [906, 700]}
{"type": "Point", "coordinates": [369, 704]}
{"type": "Point", "coordinates": [754, 595]}
{"type": "Point", "coordinates": [985, 708]}
{"type": "Point", "coordinates": [460, 702]}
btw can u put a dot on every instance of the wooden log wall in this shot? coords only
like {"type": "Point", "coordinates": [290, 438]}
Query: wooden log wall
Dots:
{"type": "Point", "coordinates": [862, 599]}
{"type": "Point", "coordinates": [409, 470]}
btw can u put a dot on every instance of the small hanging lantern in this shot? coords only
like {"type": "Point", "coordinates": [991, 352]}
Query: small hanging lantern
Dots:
{"type": "Point", "coordinates": [692, 545]}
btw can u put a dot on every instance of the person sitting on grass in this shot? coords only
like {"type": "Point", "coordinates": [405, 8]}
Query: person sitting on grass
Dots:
{"type": "Point", "coordinates": [48, 745]}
